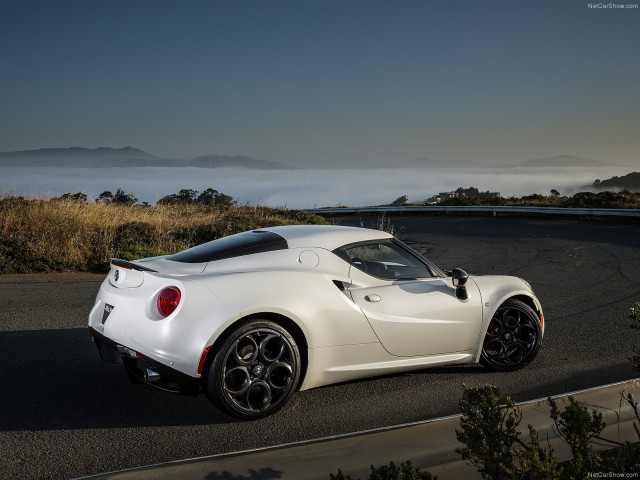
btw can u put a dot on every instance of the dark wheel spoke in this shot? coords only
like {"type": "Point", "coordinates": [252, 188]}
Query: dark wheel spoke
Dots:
{"type": "Point", "coordinates": [494, 349]}
{"type": "Point", "coordinates": [510, 319]}
{"type": "Point", "coordinates": [245, 351]}
{"type": "Point", "coordinates": [236, 381]}
{"type": "Point", "coordinates": [271, 348]}
{"type": "Point", "coordinates": [279, 375]}
{"type": "Point", "coordinates": [258, 396]}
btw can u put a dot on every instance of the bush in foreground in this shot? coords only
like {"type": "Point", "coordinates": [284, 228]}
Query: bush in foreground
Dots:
{"type": "Point", "coordinates": [406, 471]}
{"type": "Point", "coordinates": [490, 434]}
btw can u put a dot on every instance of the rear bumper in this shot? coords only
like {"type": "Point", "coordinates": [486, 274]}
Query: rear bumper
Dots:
{"type": "Point", "coordinates": [144, 369]}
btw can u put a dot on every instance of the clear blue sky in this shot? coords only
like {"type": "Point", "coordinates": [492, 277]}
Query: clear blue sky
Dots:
{"type": "Point", "coordinates": [323, 82]}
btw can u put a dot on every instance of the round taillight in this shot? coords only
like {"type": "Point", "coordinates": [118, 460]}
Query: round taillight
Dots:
{"type": "Point", "coordinates": [168, 301]}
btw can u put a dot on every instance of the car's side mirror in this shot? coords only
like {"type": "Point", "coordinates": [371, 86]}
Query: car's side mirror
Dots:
{"type": "Point", "coordinates": [459, 278]}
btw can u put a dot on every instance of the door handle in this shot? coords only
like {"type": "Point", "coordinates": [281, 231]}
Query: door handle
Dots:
{"type": "Point", "coordinates": [373, 298]}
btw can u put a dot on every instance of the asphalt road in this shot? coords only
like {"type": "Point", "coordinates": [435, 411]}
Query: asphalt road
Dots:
{"type": "Point", "coordinates": [63, 413]}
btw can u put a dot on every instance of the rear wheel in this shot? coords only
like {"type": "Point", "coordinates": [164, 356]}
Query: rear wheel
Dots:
{"type": "Point", "coordinates": [255, 371]}
{"type": "Point", "coordinates": [513, 337]}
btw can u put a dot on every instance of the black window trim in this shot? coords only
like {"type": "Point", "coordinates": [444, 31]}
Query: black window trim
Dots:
{"type": "Point", "coordinates": [436, 272]}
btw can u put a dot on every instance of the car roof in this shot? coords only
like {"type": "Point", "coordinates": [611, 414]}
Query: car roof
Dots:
{"type": "Point", "coordinates": [329, 237]}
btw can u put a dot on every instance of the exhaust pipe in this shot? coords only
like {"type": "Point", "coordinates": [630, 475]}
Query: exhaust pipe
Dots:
{"type": "Point", "coordinates": [151, 375]}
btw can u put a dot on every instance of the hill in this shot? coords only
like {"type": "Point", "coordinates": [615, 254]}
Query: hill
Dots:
{"type": "Point", "coordinates": [564, 161]}
{"type": "Point", "coordinates": [218, 161]}
{"type": "Point", "coordinates": [426, 162]}
{"type": "Point", "coordinates": [127, 157]}
{"type": "Point", "coordinates": [629, 182]}
{"type": "Point", "coordinates": [73, 157]}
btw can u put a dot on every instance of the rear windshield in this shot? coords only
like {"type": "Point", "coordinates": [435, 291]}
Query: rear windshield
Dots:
{"type": "Point", "coordinates": [246, 243]}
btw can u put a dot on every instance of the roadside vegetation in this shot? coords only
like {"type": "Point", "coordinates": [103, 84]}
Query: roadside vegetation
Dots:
{"type": "Point", "coordinates": [471, 196]}
{"type": "Point", "coordinates": [72, 233]}
{"type": "Point", "coordinates": [623, 199]}
{"type": "Point", "coordinates": [75, 233]}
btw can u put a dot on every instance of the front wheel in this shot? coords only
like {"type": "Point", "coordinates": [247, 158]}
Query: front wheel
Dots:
{"type": "Point", "coordinates": [513, 337]}
{"type": "Point", "coordinates": [255, 370]}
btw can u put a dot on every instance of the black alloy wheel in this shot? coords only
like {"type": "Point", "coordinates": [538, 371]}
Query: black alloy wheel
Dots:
{"type": "Point", "coordinates": [255, 371]}
{"type": "Point", "coordinates": [513, 337]}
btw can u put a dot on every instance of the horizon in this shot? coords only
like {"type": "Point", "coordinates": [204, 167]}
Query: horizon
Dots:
{"type": "Point", "coordinates": [404, 163]}
{"type": "Point", "coordinates": [324, 84]}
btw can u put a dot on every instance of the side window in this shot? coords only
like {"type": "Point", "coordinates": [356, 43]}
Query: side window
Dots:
{"type": "Point", "coordinates": [385, 259]}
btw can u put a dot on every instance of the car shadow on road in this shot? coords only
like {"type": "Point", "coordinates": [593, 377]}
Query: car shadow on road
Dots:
{"type": "Point", "coordinates": [55, 379]}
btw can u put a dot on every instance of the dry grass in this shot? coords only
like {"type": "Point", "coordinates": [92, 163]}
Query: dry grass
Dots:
{"type": "Point", "coordinates": [42, 235]}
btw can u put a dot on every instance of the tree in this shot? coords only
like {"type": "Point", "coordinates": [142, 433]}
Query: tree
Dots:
{"type": "Point", "coordinates": [554, 193]}
{"type": "Point", "coordinates": [209, 197]}
{"type": "Point", "coordinates": [213, 198]}
{"type": "Point", "coordinates": [74, 197]}
{"type": "Point", "coordinates": [400, 200]}
{"type": "Point", "coordinates": [105, 197]}
{"type": "Point", "coordinates": [186, 196]}
{"type": "Point", "coordinates": [122, 198]}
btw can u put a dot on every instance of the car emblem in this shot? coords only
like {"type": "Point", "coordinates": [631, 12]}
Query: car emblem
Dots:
{"type": "Point", "coordinates": [106, 312]}
{"type": "Point", "coordinates": [116, 275]}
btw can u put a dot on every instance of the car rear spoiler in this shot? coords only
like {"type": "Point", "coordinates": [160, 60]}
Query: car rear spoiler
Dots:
{"type": "Point", "coordinates": [130, 265]}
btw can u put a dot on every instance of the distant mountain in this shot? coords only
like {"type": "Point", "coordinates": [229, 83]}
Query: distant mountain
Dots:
{"type": "Point", "coordinates": [218, 161]}
{"type": "Point", "coordinates": [564, 161]}
{"type": "Point", "coordinates": [151, 162]}
{"type": "Point", "coordinates": [127, 157]}
{"type": "Point", "coordinates": [629, 182]}
{"type": "Point", "coordinates": [426, 162]}
{"type": "Point", "coordinates": [73, 157]}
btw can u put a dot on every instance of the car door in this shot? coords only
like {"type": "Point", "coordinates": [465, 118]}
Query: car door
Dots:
{"type": "Point", "coordinates": [412, 309]}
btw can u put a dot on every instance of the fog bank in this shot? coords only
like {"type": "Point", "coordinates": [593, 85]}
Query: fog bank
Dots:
{"type": "Point", "coordinates": [304, 188]}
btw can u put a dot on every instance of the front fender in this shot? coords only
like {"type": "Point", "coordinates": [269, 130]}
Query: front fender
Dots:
{"type": "Point", "coordinates": [494, 291]}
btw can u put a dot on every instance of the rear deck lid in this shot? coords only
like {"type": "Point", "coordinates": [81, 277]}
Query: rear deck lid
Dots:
{"type": "Point", "coordinates": [124, 274]}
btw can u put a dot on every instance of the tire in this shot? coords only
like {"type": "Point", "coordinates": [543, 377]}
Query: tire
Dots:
{"type": "Point", "coordinates": [255, 371]}
{"type": "Point", "coordinates": [513, 337]}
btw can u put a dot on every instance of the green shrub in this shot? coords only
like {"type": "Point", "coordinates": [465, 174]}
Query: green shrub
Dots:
{"type": "Point", "coordinates": [537, 463]}
{"type": "Point", "coordinates": [577, 427]}
{"type": "Point", "coordinates": [490, 435]}
{"type": "Point", "coordinates": [489, 431]}
{"type": "Point", "coordinates": [406, 471]}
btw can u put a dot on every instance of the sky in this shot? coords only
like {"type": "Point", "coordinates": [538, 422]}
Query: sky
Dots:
{"type": "Point", "coordinates": [324, 83]}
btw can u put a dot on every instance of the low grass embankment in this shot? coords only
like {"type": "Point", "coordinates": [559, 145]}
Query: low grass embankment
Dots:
{"type": "Point", "coordinates": [39, 235]}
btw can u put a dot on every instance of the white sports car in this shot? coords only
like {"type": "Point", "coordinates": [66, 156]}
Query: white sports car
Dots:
{"type": "Point", "coordinates": [251, 317]}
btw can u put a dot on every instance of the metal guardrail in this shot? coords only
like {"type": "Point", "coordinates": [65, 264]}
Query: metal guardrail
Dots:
{"type": "Point", "coordinates": [587, 212]}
